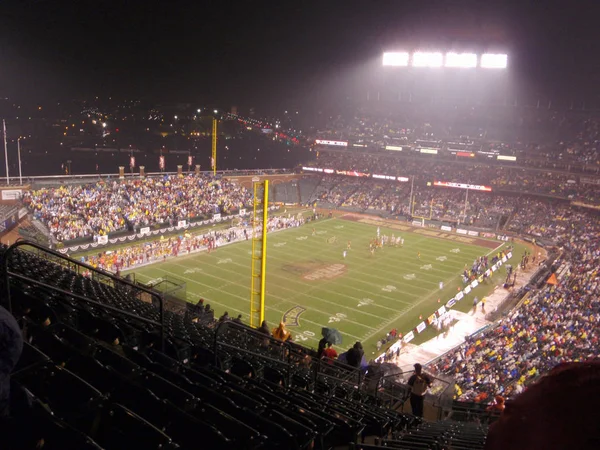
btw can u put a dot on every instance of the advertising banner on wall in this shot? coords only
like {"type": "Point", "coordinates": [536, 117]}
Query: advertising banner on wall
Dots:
{"type": "Point", "coordinates": [331, 143]}
{"type": "Point", "coordinates": [11, 194]}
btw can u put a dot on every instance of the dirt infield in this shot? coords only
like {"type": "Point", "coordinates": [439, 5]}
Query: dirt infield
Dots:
{"type": "Point", "coordinates": [429, 232]}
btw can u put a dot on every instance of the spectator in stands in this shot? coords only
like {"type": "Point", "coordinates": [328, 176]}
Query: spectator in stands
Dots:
{"type": "Point", "coordinates": [321, 348]}
{"type": "Point", "coordinates": [238, 319]}
{"type": "Point", "coordinates": [11, 346]}
{"type": "Point", "coordinates": [355, 356]}
{"type": "Point", "coordinates": [281, 333]}
{"type": "Point", "coordinates": [419, 382]}
{"type": "Point", "coordinates": [559, 412]}
{"type": "Point", "coordinates": [225, 317]}
{"type": "Point", "coordinates": [497, 406]}
{"type": "Point", "coordinates": [264, 328]}
{"type": "Point", "coordinates": [72, 212]}
{"type": "Point", "coordinates": [330, 352]}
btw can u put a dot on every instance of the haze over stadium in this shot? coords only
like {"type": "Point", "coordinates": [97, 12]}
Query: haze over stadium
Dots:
{"type": "Point", "coordinates": [315, 225]}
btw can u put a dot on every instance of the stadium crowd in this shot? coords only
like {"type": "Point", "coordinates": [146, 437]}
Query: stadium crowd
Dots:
{"type": "Point", "coordinates": [128, 257]}
{"type": "Point", "coordinates": [480, 209]}
{"type": "Point", "coordinates": [72, 212]}
{"type": "Point", "coordinates": [502, 178]}
{"type": "Point", "coordinates": [558, 323]}
{"type": "Point", "coordinates": [558, 138]}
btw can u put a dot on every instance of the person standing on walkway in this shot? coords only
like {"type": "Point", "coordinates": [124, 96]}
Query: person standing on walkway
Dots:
{"type": "Point", "coordinates": [419, 383]}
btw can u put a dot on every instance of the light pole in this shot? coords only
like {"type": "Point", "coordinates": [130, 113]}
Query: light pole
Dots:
{"type": "Point", "coordinates": [5, 151]}
{"type": "Point", "coordinates": [19, 156]}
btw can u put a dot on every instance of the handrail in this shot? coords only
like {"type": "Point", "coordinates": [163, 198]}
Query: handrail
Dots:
{"type": "Point", "coordinates": [228, 323]}
{"type": "Point", "coordinates": [21, 242]}
{"type": "Point", "coordinates": [289, 349]}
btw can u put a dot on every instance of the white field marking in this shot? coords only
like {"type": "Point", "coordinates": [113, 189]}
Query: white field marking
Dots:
{"type": "Point", "coordinates": [322, 284]}
{"type": "Point", "coordinates": [250, 252]}
{"type": "Point", "coordinates": [416, 304]}
{"type": "Point", "coordinates": [193, 270]}
{"type": "Point", "coordinates": [304, 336]}
{"type": "Point", "coordinates": [359, 281]}
{"type": "Point", "coordinates": [302, 238]}
{"type": "Point", "coordinates": [365, 302]}
{"type": "Point", "coordinates": [408, 294]}
{"type": "Point", "coordinates": [410, 276]}
{"type": "Point", "coordinates": [297, 293]}
{"type": "Point", "coordinates": [338, 227]}
{"type": "Point", "coordinates": [337, 318]}
{"type": "Point", "coordinates": [427, 267]}
{"type": "Point", "coordinates": [388, 256]}
{"type": "Point", "coordinates": [441, 258]}
{"type": "Point", "coordinates": [321, 232]}
{"type": "Point", "coordinates": [224, 261]}
{"type": "Point", "coordinates": [455, 250]}
{"type": "Point", "coordinates": [279, 244]}
{"type": "Point", "coordinates": [362, 280]}
{"type": "Point", "coordinates": [154, 281]}
{"type": "Point", "coordinates": [207, 300]}
{"type": "Point", "coordinates": [388, 288]}
{"type": "Point", "coordinates": [228, 307]}
{"type": "Point", "coordinates": [411, 244]}
{"type": "Point", "coordinates": [312, 309]}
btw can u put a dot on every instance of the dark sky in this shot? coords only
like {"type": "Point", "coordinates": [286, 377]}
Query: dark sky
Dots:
{"type": "Point", "coordinates": [252, 51]}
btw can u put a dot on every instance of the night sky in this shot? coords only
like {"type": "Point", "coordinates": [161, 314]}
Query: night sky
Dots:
{"type": "Point", "coordinates": [267, 53]}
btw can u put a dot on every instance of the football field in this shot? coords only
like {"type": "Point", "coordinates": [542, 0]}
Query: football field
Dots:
{"type": "Point", "coordinates": [311, 284]}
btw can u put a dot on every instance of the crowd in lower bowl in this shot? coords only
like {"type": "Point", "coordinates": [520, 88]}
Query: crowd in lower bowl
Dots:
{"type": "Point", "coordinates": [72, 212]}
{"type": "Point", "coordinates": [556, 324]}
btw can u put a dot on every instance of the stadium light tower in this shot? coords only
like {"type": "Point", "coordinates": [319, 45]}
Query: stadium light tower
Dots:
{"type": "Point", "coordinates": [494, 61]}
{"type": "Point", "coordinates": [395, 59]}
{"type": "Point", "coordinates": [461, 60]}
{"type": "Point", "coordinates": [427, 59]}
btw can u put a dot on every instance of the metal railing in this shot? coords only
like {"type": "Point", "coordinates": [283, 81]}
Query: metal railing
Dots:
{"type": "Point", "coordinates": [78, 267]}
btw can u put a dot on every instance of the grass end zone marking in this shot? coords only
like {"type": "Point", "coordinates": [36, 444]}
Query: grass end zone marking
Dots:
{"type": "Point", "coordinates": [291, 318]}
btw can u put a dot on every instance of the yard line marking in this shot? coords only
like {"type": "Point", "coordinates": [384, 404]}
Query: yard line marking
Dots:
{"type": "Point", "coordinates": [414, 305]}
{"type": "Point", "coordinates": [272, 295]}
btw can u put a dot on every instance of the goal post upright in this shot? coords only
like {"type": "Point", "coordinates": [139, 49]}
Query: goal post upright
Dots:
{"type": "Point", "coordinates": [259, 254]}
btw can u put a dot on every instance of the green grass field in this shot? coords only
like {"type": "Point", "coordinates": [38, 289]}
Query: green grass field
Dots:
{"type": "Point", "coordinates": [363, 295]}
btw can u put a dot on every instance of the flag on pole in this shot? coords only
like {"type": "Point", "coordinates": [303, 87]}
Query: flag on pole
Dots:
{"type": "Point", "coordinates": [132, 162]}
{"type": "Point", "coordinates": [212, 162]}
{"type": "Point", "coordinates": [161, 162]}
{"type": "Point", "coordinates": [189, 160]}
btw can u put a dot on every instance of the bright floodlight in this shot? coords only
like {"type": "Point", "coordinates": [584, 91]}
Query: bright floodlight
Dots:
{"type": "Point", "coordinates": [425, 59]}
{"type": "Point", "coordinates": [494, 61]}
{"type": "Point", "coordinates": [466, 60]}
{"type": "Point", "coordinates": [395, 59]}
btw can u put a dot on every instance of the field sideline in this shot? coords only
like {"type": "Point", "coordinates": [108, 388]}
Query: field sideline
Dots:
{"type": "Point", "coordinates": [312, 285]}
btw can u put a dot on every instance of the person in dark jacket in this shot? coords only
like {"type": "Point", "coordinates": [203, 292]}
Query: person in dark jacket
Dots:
{"type": "Point", "coordinates": [355, 354]}
{"type": "Point", "coordinates": [11, 347]}
{"type": "Point", "coordinates": [264, 328]}
{"type": "Point", "coordinates": [419, 383]}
